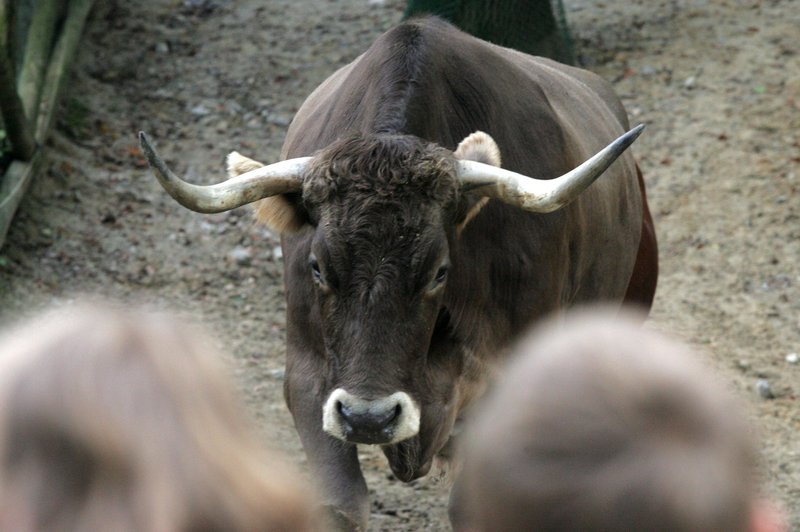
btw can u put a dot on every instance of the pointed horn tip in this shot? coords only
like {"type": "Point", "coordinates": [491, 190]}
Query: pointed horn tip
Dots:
{"type": "Point", "coordinates": [144, 142]}
{"type": "Point", "coordinates": [626, 139]}
{"type": "Point", "coordinates": [635, 132]}
{"type": "Point", "coordinates": [150, 154]}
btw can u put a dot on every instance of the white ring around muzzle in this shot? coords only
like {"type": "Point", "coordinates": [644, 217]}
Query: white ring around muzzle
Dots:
{"type": "Point", "coordinates": [406, 426]}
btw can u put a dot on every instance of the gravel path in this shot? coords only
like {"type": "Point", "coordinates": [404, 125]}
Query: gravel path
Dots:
{"type": "Point", "coordinates": [717, 82]}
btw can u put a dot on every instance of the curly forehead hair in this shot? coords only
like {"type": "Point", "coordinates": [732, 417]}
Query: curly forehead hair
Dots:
{"type": "Point", "coordinates": [381, 168]}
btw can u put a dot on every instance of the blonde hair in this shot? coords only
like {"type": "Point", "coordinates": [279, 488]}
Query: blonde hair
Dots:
{"type": "Point", "coordinates": [112, 420]}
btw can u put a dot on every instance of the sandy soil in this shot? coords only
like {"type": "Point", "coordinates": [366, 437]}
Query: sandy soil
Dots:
{"type": "Point", "coordinates": [717, 82]}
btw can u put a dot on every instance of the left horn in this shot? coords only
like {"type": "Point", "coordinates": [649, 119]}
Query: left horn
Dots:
{"type": "Point", "coordinates": [541, 195]}
{"type": "Point", "coordinates": [271, 180]}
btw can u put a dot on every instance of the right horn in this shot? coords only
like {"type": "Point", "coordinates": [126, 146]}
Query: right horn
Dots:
{"type": "Point", "coordinates": [541, 195]}
{"type": "Point", "coordinates": [271, 180]}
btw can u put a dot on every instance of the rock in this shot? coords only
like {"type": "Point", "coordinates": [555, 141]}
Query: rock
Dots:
{"type": "Point", "coordinates": [241, 256]}
{"type": "Point", "coordinates": [792, 358]}
{"type": "Point", "coordinates": [277, 374]}
{"type": "Point", "coordinates": [281, 121]}
{"type": "Point", "coordinates": [199, 110]}
{"type": "Point", "coordinates": [647, 70]}
{"type": "Point", "coordinates": [162, 48]}
{"type": "Point", "coordinates": [277, 253]}
{"type": "Point", "coordinates": [689, 82]}
{"type": "Point", "coordinates": [764, 389]}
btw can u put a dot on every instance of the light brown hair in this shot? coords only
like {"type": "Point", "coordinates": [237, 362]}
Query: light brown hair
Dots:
{"type": "Point", "coordinates": [113, 421]}
{"type": "Point", "coordinates": [601, 425]}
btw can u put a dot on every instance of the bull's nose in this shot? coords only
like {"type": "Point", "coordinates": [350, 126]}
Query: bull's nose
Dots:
{"type": "Point", "coordinates": [385, 420]}
{"type": "Point", "coordinates": [375, 425]}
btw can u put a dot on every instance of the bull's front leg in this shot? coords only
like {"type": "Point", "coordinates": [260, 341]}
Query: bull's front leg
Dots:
{"type": "Point", "coordinates": [333, 463]}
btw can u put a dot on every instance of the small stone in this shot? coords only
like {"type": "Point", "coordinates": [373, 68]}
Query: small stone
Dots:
{"type": "Point", "coordinates": [743, 365]}
{"type": "Point", "coordinates": [689, 82]}
{"type": "Point", "coordinates": [162, 48]}
{"type": "Point", "coordinates": [241, 256]}
{"type": "Point", "coordinates": [277, 253]}
{"type": "Point", "coordinates": [764, 389]}
{"type": "Point", "coordinates": [277, 374]}
{"type": "Point", "coordinates": [792, 358]}
{"type": "Point", "coordinates": [647, 70]}
{"type": "Point", "coordinates": [281, 121]}
{"type": "Point", "coordinates": [199, 110]}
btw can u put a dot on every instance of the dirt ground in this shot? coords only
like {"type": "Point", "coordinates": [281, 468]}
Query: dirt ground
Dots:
{"type": "Point", "coordinates": [717, 82]}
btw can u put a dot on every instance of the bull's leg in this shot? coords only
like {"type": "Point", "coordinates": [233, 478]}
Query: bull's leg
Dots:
{"type": "Point", "coordinates": [333, 463]}
{"type": "Point", "coordinates": [335, 467]}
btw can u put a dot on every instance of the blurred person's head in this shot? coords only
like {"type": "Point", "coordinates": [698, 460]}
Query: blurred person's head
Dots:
{"type": "Point", "coordinates": [601, 425]}
{"type": "Point", "coordinates": [114, 421]}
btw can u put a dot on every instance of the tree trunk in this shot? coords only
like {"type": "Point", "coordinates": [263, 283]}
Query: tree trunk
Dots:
{"type": "Point", "coordinates": [529, 26]}
{"type": "Point", "coordinates": [17, 126]}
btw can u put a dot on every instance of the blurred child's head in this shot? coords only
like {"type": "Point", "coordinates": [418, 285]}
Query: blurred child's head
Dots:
{"type": "Point", "coordinates": [117, 420]}
{"type": "Point", "coordinates": [601, 425]}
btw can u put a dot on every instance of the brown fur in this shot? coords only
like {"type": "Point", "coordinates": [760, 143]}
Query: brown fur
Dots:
{"type": "Point", "coordinates": [384, 169]}
{"type": "Point", "coordinates": [642, 286]}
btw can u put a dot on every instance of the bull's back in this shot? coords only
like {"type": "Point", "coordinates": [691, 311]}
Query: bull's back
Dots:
{"type": "Point", "coordinates": [428, 79]}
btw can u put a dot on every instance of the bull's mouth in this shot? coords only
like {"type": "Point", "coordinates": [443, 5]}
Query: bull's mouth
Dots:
{"type": "Point", "coordinates": [407, 459]}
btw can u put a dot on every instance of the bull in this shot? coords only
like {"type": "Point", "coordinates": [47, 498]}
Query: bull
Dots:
{"type": "Point", "coordinates": [411, 258]}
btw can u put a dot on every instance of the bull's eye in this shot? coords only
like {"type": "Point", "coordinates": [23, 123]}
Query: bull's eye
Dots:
{"type": "Point", "coordinates": [438, 281]}
{"type": "Point", "coordinates": [315, 271]}
{"type": "Point", "coordinates": [441, 275]}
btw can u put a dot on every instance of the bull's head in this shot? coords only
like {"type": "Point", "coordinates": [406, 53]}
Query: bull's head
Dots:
{"type": "Point", "coordinates": [383, 215]}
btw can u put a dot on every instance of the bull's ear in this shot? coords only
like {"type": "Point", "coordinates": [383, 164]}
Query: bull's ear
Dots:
{"type": "Point", "coordinates": [482, 148]}
{"type": "Point", "coordinates": [479, 147]}
{"type": "Point", "coordinates": [276, 212]}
